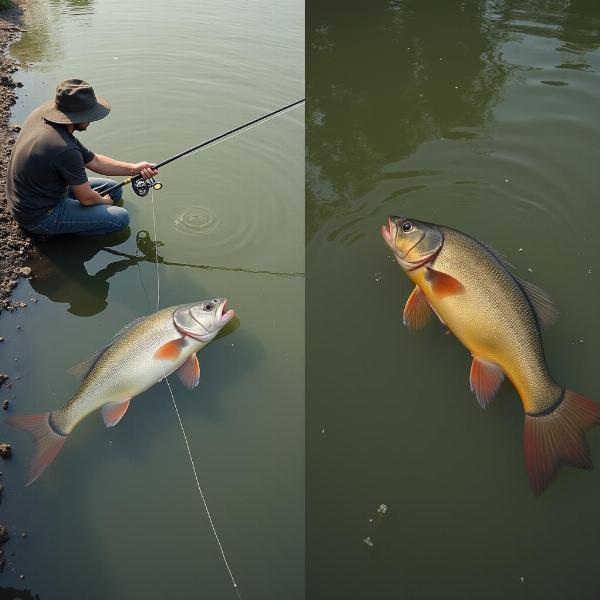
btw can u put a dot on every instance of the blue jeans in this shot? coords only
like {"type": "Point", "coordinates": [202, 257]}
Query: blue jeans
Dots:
{"type": "Point", "coordinates": [69, 216]}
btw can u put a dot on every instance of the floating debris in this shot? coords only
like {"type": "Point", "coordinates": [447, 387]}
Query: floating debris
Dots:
{"type": "Point", "coordinates": [5, 405]}
{"type": "Point", "coordinates": [382, 509]}
{"type": "Point", "coordinates": [369, 542]}
{"type": "Point", "coordinates": [5, 452]}
{"type": "Point", "coordinates": [520, 249]}
{"type": "Point", "coordinates": [25, 271]}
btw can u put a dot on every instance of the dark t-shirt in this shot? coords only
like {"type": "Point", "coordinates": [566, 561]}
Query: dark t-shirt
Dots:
{"type": "Point", "coordinates": [45, 160]}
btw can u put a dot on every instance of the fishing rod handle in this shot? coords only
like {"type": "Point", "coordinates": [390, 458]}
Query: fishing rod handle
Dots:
{"type": "Point", "coordinates": [116, 186]}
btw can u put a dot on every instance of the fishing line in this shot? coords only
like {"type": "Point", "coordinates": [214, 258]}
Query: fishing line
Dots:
{"type": "Point", "coordinates": [141, 188]}
{"type": "Point", "coordinates": [155, 250]}
{"type": "Point", "coordinates": [185, 438]}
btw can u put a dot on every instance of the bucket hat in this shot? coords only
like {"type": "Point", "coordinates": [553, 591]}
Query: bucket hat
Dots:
{"type": "Point", "coordinates": [75, 102]}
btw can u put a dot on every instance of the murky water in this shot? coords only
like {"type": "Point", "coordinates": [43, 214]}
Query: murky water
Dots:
{"type": "Point", "coordinates": [483, 116]}
{"type": "Point", "coordinates": [118, 515]}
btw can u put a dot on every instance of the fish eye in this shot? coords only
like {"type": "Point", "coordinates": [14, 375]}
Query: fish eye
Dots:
{"type": "Point", "coordinates": [208, 307]}
{"type": "Point", "coordinates": [407, 226]}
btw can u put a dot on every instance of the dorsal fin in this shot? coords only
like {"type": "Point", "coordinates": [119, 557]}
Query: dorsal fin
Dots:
{"type": "Point", "coordinates": [126, 328]}
{"type": "Point", "coordinates": [541, 302]}
{"type": "Point", "coordinates": [501, 258]}
{"type": "Point", "coordinates": [83, 368]}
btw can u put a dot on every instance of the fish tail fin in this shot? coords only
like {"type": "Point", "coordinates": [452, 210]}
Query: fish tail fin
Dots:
{"type": "Point", "coordinates": [556, 437]}
{"type": "Point", "coordinates": [48, 441]}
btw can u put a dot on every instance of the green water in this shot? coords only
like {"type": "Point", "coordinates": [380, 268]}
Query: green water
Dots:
{"type": "Point", "coordinates": [118, 514]}
{"type": "Point", "coordinates": [483, 116]}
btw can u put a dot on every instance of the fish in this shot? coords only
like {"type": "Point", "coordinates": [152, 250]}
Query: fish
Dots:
{"type": "Point", "coordinates": [141, 354]}
{"type": "Point", "coordinates": [498, 317]}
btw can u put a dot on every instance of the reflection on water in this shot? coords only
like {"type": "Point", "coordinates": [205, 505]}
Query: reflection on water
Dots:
{"type": "Point", "coordinates": [9, 593]}
{"type": "Point", "coordinates": [74, 7]}
{"type": "Point", "coordinates": [60, 274]}
{"type": "Point", "coordinates": [37, 43]}
{"type": "Point", "coordinates": [426, 85]}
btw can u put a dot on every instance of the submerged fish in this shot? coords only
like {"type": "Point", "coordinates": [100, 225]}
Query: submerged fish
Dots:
{"type": "Point", "coordinates": [143, 353]}
{"type": "Point", "coordinates": [498, 317]}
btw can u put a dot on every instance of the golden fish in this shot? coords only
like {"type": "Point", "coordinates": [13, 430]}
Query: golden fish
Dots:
{"type": "Point", "coordinates": [142, 354]}
{"type": "Point", "coordinates": [498, 317]}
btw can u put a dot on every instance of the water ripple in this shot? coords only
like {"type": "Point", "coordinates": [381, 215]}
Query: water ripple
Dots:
{"type": "Point", "coordinates": [197, 219]}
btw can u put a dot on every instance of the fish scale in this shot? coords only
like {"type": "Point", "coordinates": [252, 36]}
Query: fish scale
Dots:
{"type": "Point", "coordinates": [130, 355]}
{"type": "Point", "coordinates": [493, 318]}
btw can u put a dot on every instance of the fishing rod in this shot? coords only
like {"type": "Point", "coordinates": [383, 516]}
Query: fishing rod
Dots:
{"type": "Point", "coordinates": [142, 186]}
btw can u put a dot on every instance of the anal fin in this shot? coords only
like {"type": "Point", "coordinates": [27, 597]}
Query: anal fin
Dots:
{"type": "Point", "coordinates": [486, 377]}
{"type": "Point", "coordinates": [417, 312]}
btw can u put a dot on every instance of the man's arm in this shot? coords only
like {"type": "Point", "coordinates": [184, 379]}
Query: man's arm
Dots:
{"type": "Point", "coordinates": [88, 197]}
{"type": "Point", "coordinates": [104, 165]}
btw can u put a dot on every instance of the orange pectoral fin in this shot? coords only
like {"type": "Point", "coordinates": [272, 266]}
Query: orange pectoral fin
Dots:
{"type": "Point", "coordinates": [169, 351]}
{"type": "Point", "coordinates": [486, 378]}
{"type": "Point", "coordinates": [443, 284]}
{"type": "Point", "coordinates": [113, 412]}
{"type": "Point", "coordinates": [417, 312]}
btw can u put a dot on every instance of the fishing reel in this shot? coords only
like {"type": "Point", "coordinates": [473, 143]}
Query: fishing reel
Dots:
{"type": "Point", "coordinates": [142, 186]}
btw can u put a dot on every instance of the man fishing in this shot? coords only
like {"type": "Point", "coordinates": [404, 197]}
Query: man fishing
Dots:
{"type": "Point", "coordinates": [47, 187]}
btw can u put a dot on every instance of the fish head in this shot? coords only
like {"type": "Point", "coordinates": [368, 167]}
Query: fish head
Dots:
{"type": "Point", "coordinates": [203, 320]}
{"type": "Point", "coordinates": [414, 243]}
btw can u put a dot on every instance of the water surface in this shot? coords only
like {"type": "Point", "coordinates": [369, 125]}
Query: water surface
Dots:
{"type": "Point", "coordinates": [482, 116]}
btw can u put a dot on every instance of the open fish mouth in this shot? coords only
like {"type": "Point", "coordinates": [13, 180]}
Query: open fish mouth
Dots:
{"type": "Point", "coordinates": [386, 233]}
{"type": "Point", "coordinates": [225, 315]}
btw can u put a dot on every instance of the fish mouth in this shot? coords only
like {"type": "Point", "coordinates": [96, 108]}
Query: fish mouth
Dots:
{"type": "Point", "coordinates": [225, 315]}
{"type": "Point", "coordinates": [386, 233]}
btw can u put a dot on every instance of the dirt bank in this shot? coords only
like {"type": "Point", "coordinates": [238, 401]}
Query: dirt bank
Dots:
{"type": "Point", "coordinates": [14, 245]}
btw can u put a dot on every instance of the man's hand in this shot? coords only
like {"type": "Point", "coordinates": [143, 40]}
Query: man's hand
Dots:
{"type": "Point", "coordinates": [145, 169]}
{"type": "Point", "coordinates": [107, 199]}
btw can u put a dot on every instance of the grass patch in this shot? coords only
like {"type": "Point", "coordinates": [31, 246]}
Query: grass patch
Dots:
{"type": "Point", "coordinates": [5, 4]}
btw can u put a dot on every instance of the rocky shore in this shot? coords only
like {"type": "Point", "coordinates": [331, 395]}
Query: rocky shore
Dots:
{"type": "Point", "coordinates": [15, 244]}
